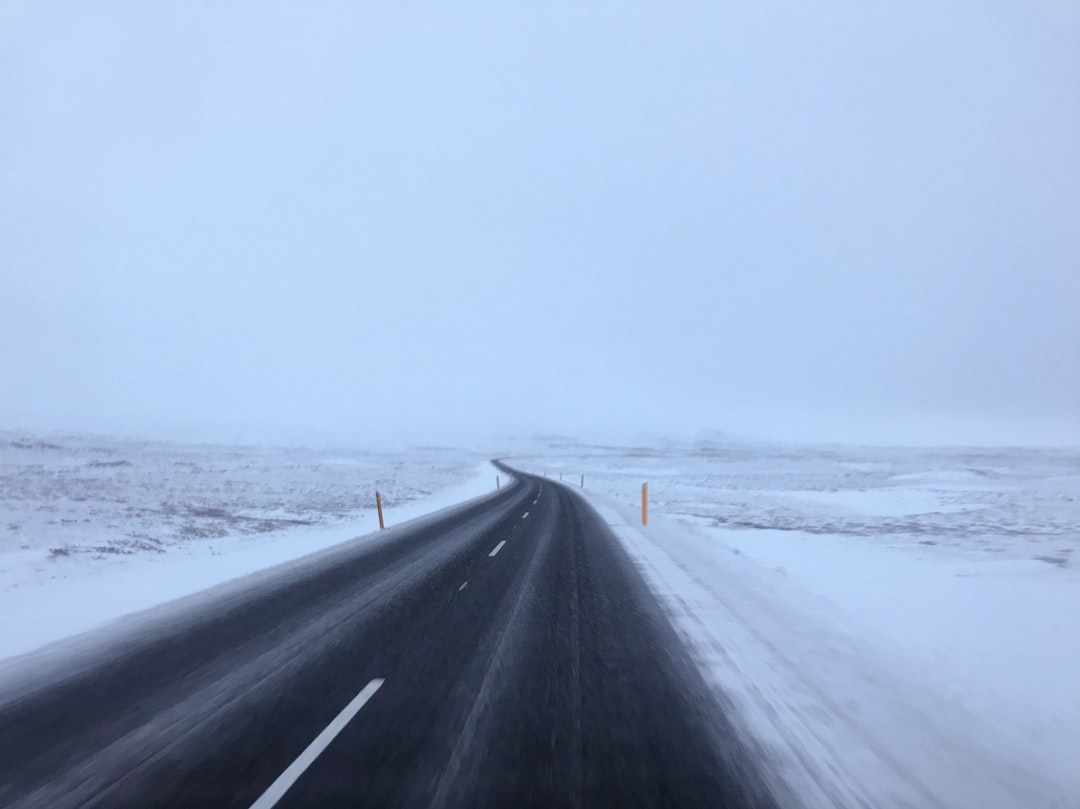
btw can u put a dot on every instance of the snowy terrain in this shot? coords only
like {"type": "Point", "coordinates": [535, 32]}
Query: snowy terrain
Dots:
{"type": "Point", "coordinates": [897, 627]}
{"type": "Point", "coordinates": [95, 528]}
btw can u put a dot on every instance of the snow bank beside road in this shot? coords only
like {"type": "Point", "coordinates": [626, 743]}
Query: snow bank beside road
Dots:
{"type": "Point", "coordinates": [855, 714]}
{"type": "Point", "coordinates": [897, 627]}
{"type": "Point", "coordinates": [98, 529]}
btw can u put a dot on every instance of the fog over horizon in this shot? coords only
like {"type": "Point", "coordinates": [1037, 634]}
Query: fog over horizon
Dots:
{"type": "Point", "coordinates": [337, 222]}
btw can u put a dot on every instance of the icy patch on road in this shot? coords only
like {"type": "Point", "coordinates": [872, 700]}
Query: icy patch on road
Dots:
{"type": "Point", "coordinates": [92, 529]}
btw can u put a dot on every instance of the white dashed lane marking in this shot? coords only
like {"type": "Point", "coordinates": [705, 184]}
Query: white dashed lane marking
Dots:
{"type": "Point", "coordinates": [277, 790]}
{"type": "Point", "coordinates": [497, 548]}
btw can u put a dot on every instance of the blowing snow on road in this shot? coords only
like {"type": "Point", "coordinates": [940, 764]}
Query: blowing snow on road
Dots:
{"type": "Point", "coordinates": [506, 652]}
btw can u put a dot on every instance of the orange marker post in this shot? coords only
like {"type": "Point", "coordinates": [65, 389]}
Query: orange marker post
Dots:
{"type": "Point", "coordinates": [644, 503]}
{"type": "Point", "coordinates": [378, 506]}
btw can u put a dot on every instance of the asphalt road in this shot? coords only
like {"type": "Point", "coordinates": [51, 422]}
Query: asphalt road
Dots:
{"type": "Point", "coordinates": [504, 654]}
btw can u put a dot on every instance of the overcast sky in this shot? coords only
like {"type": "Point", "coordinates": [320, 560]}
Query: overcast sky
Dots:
{"type": "Point", "coordinates": [406, 220]}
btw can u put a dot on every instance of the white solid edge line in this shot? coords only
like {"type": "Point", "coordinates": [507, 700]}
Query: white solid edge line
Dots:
{"type": "Point", "coordinates": [498, 547]}
{"type": "Point", "coordinates": [277, 790]}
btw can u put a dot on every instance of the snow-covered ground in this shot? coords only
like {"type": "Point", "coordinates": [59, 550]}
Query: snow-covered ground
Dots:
{"type": "Point", "coordinates": [898, 627]}
{"type": "Point", "coordinates": [93, 528]}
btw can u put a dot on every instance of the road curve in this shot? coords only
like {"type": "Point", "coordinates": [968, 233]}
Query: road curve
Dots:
{"type": "Point", "coordinates": [503, 653]}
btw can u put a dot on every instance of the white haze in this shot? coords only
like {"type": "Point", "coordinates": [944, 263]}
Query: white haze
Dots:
{"type": "Point", "coordinates": [342, 221]}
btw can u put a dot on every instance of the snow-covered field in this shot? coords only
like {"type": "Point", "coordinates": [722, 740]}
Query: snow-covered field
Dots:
{"type": "Point", "coordinates": [95, 528]}
{"type": "Point", "coordinates": [898, 627]}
